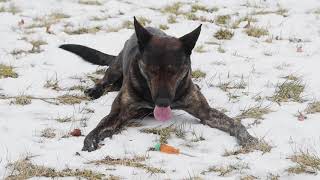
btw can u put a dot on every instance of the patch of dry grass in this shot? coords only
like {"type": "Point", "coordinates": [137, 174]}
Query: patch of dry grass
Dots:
{"type": "Point", "coordinates": [280, 11]}
{"type": "Point", "coordinates": [306, 162]}
{"type": "Point", "coordinates": [172, 19]}
{"type": "Point", "coordinates": [198, 74]}
{"type": "Point", "coordinates": [313, 107]}
{"type": "Point", "coordinates": [200, 49]}
{"type": "Point", "coordinates": [316, 11]}
{"type": "Point", "coordinates": [262, 146]}
{"type": "Point", "coordinates": [12, 8]}
{"type": "Point", "coordinates": [221, 50]}
{"type": "Point", "coordinates": [165, 133]}
{"type": "Point", "coordinates": [7, 71]}
{"type": "Point", "coordinates": [291, 77]}
{"type": "Point", "coordinates": [256, 31]}
{"type": "Point", "coordinates": [64, 119]}
{"type": "Point", "coordinates": [71, 99]}
{"type": "Point", "coordinates": [143, 20]}
{"type": "Point", "coordinates": [52, 84]}
{"type": "Point", "coordinates": [254, 112]}
{"type": "Point", "coordinates": [173, 8]}
{"type": "Point", "coordinates": [163, 27]}
{"type": "Point", "coordinates": [24, 169]}
{"type": "Point", "coordinates": [58, 15]}
{"type": "Point", "coordinates": [36, 45]}
{"type": "Point", "coordinates": [47, 21]}
{"type": "Point", "coordinates": [127, 24]}
{"type": "Point", "coordinates": [288, 91]}
{"type": "Point", "coordinates": [247, 18]}
{"type": "Point", "coordinates": [21, 100]}
{"type": "Point", "coordinates": [273, 176]}
{"type": "Point", "coordinates": [198, 7]}
{"type": "Point", "coordinates": [90, 2]}
{"type": "Point", "coordinates": [81, 88]}
{"type": "Point", "coordinates": [48, 133]}
{"type": "Point", "coordinates": [83, 30]}
{"type": "Point", "coordinates": [222, 19]}
{"type": "Point", "coordinates": [228, 85]}
{"type": "Point", "coordinates": [135, 162]}
{"type": "Point", "coordinates": [223, 34]}
{"type": "Point", "coordinates": [248, 177]}
{"type": "Point", "coordinates": [226, 170]}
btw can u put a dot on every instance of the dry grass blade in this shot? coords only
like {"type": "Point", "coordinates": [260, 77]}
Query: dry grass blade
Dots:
{"type": "Point", "coordinates": [133, 162]}
{"type": "Point", "coordinates": [173, 9]}
{"type": "Point", "coordinates": [90, 2]}
{"type": "Point", "coordinates": [289, 91]}
{"type": "Point", "coordinates": [7, 71]}
{"type": "Point", "coordinates": [313, 107]}
{"type": "Point", "coordinates": [226, 170]}
{"type": "Point", "coordinates": [248, 177]}
{"type": "Point", "coordinates": [71, 99]}
{"type": "Point", "coordinates": [223, 34]}
{"type": "Point", "coordinates": [306, 162]}
{"type": "Point", "coordinates": [262, 146]}
{"type": "Point", "coordinates": [48, 133]}
{"type": "Point", "coordinates": [255, 112]}
{"type": "Point", "coordinates": [24, 169]}
{"type": "Point", "coordinates": [21, 100]}
{"type": "Point", "coordinates": [198, 74]}
{"type": "Point", "coordinates": [222, 19]}
{"type": "Point", "coordinates": [165, 133]}
{"type": "Point", "coordinates": [256, 32]}
{"type": "Point", "coordinates": [83, 30]}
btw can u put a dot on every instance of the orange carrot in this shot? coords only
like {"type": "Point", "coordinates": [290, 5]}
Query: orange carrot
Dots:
{"type": "Point", "coordinates": [165, 148]}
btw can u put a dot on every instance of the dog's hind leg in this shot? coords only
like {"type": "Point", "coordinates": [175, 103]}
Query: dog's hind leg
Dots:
{"type": "Point", "coordinates": [196, 104]}
{"type": "Point", "coordinates": [123, 109]}
{"type": "Point", "coordinates": [111, 81]}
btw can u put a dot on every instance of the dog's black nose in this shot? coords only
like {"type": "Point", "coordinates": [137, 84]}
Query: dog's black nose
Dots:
{"type": "Point", "coordinates": [162, 102]}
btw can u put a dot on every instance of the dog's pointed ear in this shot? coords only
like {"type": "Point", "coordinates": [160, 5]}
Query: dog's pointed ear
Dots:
{"type": "Point", "coordinates": [189, 40]}
{"type": "Point", "coordinates": [143, 35]}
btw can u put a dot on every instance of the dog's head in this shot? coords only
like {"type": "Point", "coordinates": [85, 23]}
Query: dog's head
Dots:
{"type": "Point", "coordinates": [165, 62]}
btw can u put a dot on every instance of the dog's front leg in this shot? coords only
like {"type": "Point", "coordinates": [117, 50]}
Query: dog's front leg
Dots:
{"type": "Point", "coordinates": [122, 110]}
{"type": "Point", "coordinates": [196, 104]}
{"type": "Point", "coordinates": [112, 75]}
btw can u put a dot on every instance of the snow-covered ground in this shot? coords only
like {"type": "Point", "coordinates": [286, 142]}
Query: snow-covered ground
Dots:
{"type": "Point", "coordinates": [252, 66]}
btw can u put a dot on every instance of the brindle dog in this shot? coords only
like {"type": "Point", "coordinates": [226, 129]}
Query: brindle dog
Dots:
{"type": "Point", "coordinates": [153, 70]}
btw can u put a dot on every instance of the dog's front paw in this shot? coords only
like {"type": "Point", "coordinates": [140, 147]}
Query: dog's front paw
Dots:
{"type": "Point", "coordinates": [94, 93]}
{"type": "Point", "coordinates": [90, 142]}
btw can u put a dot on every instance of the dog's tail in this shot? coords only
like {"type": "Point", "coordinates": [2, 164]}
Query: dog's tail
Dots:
{"type": "Point", "coordinates": [90, 55]}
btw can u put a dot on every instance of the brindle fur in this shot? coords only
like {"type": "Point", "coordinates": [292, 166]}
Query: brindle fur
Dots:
{"type": "Point", "coordinates": [152, 69]}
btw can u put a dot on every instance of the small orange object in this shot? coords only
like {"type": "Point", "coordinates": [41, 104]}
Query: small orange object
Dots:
{"type": "Point", "coordinates": [169, 149]}
{"type": "Point", "coordinates": [75, 132]}
{"type": "Point", "coordinates": [165, 148]}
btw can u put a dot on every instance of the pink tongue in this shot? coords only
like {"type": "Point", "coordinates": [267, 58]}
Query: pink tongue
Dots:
{"type": "Point", "coordinates": [162, 113]}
